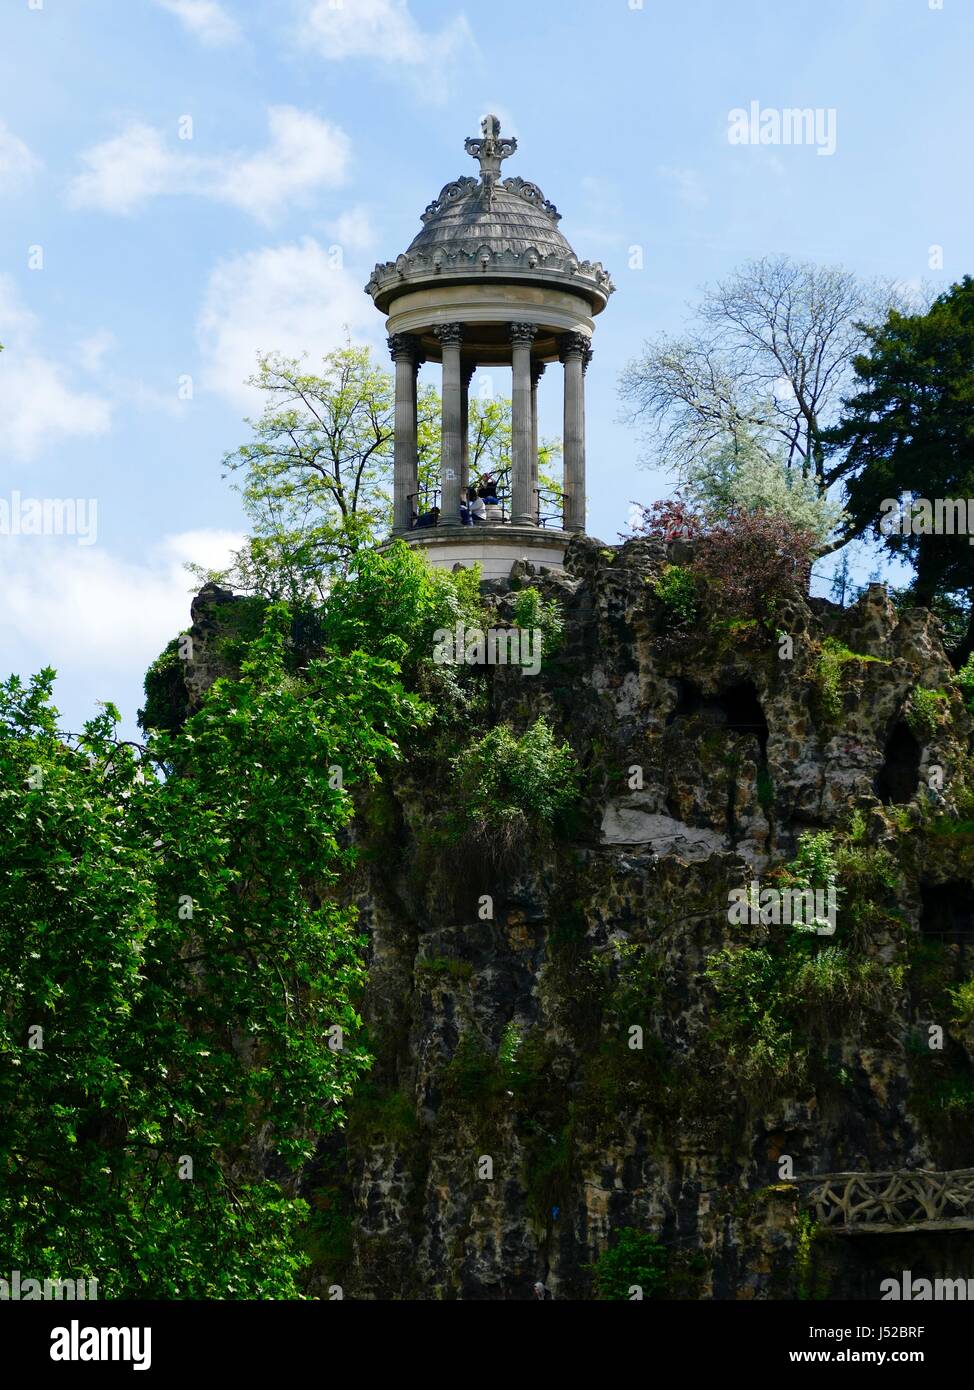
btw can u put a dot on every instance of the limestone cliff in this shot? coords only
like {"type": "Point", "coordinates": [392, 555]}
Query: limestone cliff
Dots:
{"type": "Point", "coordinates": [511, 1129]}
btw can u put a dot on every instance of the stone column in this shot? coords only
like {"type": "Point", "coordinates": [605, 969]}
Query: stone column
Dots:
{"type": "Point", "coordinates": [405, 477]}
{"type": "Point", "coordinates": [575, 353]}
{"type": "Point", "coordinates": [537, 371]}
{"type": "Point", "coordinates": [522, 511]}
{"type": "Point", "coordinates": [467, 370]}
{"type": "Point", "coordinates": [451, 446]}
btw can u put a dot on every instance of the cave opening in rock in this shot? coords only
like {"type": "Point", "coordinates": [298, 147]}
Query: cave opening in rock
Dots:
{"type": "Point", "coordinates": [736, 708]}
{"type": "Point", "coordinates": [947, 911]}
{"type": "Point", "coordinates": [899, 776]}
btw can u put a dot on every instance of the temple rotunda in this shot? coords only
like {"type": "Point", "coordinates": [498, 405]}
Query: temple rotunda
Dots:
{"type": "Point", "coordinates": [489, 281]}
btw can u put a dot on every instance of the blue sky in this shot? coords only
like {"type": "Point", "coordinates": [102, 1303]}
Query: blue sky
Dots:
{"type": "Point", "coordinates": [137, 267]}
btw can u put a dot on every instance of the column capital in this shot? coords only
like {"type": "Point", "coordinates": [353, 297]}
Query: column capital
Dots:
{"type": "Point", "coordinates": [467, 370]}
{"type": "Point", "coordinates": [449, 334]}
{"type": "Point", "coordinates": [537, 372]}
{"type": "Point", "coordinates": [523, 334]}
{"type": "Point", "coordinates": [574, 345]}
{"type": "Point", "coordinates": [404, 347]}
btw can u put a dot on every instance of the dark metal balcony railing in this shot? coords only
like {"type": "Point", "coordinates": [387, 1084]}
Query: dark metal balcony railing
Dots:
{"type": "Point", "coordinates": [423, 504]}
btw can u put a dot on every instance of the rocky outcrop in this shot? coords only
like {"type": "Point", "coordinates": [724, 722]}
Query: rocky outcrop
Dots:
{"type": "Point", "coordinates": [515, 1122]}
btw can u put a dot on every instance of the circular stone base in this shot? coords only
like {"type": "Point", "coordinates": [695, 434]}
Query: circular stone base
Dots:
{"type": "Point", "coordinates": [494, 548]}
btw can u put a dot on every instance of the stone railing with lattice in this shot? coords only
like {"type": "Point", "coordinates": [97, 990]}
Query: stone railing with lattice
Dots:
{"type": "Point", "coordinates": [898, 1201]}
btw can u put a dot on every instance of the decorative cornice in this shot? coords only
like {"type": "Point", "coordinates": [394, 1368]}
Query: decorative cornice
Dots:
{"type": "Point", "coordinates": [523, 333]}
{"type": "Point", "coordinates": [449, 334]}
{"type": "Point", "coordinates": [421, 267]}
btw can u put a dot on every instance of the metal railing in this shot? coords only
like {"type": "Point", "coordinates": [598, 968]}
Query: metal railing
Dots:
{"type": "Point", "coordinates": [423, 502]}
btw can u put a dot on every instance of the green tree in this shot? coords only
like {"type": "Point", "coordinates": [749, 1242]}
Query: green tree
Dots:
{"type": "Point", "coordinates": [316, 476]}
{"type": "Point", "coordinates": [907, 431]}
{"type": "Point", "coordinates": [746, 476]}
{"type": "Point", "coordinates": [637, 1259]}
{"type": "Point", "coordinates": [173, 965]}
{"type": "Point", "coordinates": [763, 367]}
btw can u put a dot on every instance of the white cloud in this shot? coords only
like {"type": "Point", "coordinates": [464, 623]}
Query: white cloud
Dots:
{"type": "Point", "coordinates": [125, 171]}
{"type": "Point", "coordinates": [38, 404]}
{"type": "Point", "coordinates": [304, 153]}
{"type": "Point", "coordinates": [17, 323]}
{"type": "Point", "coordinates": [16, 160]}
{"type": "Point", "coordinates": [89, 613]}
{"type": "Point", "coordinates": [92, 351]}
{"type": "Point", "coordinates": [288, 299]}
{"type": "Point", "coordinates": [206, 20]}
{"type": "Point", "coordinates": [688, 185]}
{"type": "Point", "coordinates": [39, 407]}
{"type": "Point", "coordinates": [386, 32]}
{"type": "Point", "coordinates": [353, 230]}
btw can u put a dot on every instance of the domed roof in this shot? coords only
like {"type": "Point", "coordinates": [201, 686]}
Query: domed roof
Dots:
{"type": "Point", "coordinates": [514, 216]}
{"type": "Point", "coordinates": [506, 229]}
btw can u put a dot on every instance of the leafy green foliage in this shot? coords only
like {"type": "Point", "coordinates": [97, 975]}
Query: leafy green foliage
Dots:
{"type": "Point", "coordinates": [781, 1000]}
{"type": "Point", "coordinates": [176, 940]}
{"type": "Point", "coordinates": [532, 614]}
{"type": "Point", "coordinates": [829, 674]}
{"type": "Point", "coordinates": [315, 475]}
{"type": "Point", "coordinates": [963, 1001]}
{"type": "Point", "coordinates": [777, 1001]}
{"type": "Point", "coordinates": [636, 1258]}
{"type": "Point", "coordinates": [380, 1117]}
{"type": "Point", "coordinates": [676, 590]}
{"type": "Point", "coordinates": [924, 712]}
{"type": "Point", "coordinates": [507, 783]}
{"type": "Point", "coordinates": [814, 866]}
{"type": "Point", "coordinates": [965, 679]}
{"type": "Point", "coordinates": [392, 602]}
{"type": "Point", "coordinates": [828, 680]}
{"type": "Point", "coordinates": [510, 1048]}
{"type": "Point", "coordinates": [166, 699]}
{"type": "Point", "coordinates": [748, 476]}
{"type": "Point", "coordinates": [806, 1231]}
{"type": "Point", "coordinates": [471, 1075]}
{"type": "Point", "coordinates": [911, 419]}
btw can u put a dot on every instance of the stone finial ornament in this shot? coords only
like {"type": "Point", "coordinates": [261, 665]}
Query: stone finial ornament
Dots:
{"type": "Point", "coordinates": [491, 151]}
